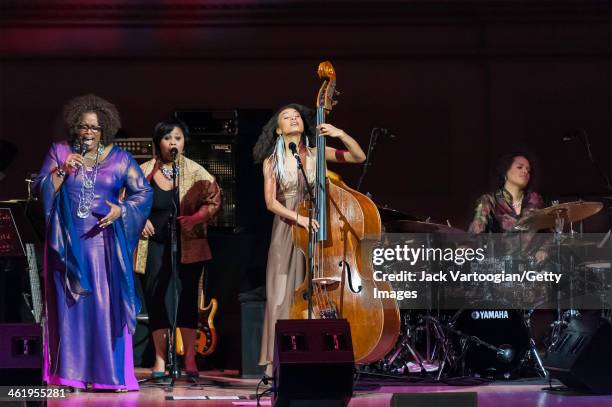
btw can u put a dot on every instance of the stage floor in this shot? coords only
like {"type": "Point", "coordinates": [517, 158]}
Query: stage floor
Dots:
{"type": "Point", "coordinates": [224, 384]}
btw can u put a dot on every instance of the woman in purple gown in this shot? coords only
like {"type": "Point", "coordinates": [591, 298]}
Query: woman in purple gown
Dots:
{"type": "Point", "coordinates": [91, 234]}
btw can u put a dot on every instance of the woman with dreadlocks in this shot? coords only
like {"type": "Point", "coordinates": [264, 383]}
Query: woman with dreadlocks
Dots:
{"type": "Point", "coordinates": [91, 234]}
{"type": "Point", "coordinates": [283, 189]}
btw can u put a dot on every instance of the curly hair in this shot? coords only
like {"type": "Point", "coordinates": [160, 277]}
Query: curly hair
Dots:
{"type": "Point", "coordinates": [108, 116]}
{"type": "Point", "coordinates": [504, 163]}
{"type": "Point", "coordinates": [267, 139]}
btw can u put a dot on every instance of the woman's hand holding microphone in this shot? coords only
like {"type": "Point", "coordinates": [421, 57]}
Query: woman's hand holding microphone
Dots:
{"type": "Point", "coordinates": [73, 162]}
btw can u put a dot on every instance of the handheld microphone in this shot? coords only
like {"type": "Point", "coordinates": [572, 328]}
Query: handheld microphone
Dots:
{"type": "Point", "coordinates": [173, 153]}
{"type": "Point", "coordinates": [80, 148]}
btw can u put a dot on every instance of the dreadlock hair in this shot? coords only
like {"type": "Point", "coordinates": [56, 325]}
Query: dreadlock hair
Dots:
{"type": "Point", "coordinates": [108, 116]}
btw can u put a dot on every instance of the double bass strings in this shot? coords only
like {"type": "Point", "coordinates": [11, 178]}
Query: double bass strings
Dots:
{"type": "Point", "coordinates": [321, 236]}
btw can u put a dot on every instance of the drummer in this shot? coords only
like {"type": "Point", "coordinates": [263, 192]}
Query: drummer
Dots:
{"type": "Point", "coordinates": [498, 211]}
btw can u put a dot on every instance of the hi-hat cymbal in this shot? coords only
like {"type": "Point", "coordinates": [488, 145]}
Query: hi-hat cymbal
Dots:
{"type": "Point", "coordinates": [597, 265]}
{"type": "Point", "coordinates": [569, 211]}
{"type": "Point", "coordinates": [410, 226]}
{"type": "Point", "coordinates": [570, 243]}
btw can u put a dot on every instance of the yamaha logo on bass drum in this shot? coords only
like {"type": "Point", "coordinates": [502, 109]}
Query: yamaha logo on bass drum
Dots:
{"type": "Point", "coordinates": [495, 314]}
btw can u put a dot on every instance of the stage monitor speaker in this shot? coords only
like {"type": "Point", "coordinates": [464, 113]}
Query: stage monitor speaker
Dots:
{"type": "Point", "coordinates": [582, 356]}
{"type": "Point", "coordinates": [222, 141]}
{"type": "Point", "coordinates": [313, 363]}
{"type": "Point", "coordinates": [20, 354]}
{"type": "Point", "coordinates": [452, 399]}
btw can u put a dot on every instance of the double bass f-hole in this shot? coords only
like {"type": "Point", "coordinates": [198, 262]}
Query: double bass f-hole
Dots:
{"type": "Point", "coordinates": [349, 277]}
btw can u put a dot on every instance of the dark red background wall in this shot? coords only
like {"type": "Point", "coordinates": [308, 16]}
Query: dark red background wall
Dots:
{"type": "Point", "coordinates": [457, 82]}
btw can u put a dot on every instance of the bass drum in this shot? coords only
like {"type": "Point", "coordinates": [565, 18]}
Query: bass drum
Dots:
{"type": "Point", "coordinates": [502, 328]}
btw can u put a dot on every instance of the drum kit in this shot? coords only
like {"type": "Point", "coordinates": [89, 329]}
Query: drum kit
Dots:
{"type": "Point", "coordinates": [492, 341]}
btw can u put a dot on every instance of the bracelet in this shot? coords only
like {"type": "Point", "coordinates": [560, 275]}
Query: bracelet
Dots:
{"type": "Point", "coordinates": [60, 173]}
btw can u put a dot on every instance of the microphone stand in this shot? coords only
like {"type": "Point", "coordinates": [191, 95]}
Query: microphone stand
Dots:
{"type": "Point", "coordinates": [374, 134]}
{"type": "Point", "coordinates": [173, 369]}
{"type": "Point", "coordinates": [584, 138]}
{"type": "Point", "coordinates": [310, 268]}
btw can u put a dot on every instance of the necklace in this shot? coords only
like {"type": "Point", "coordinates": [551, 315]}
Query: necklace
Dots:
{"type": "Point", "coordinates": [99, 152]}
{"type": "Point", "coordinates": [86, 194]}
{"type": "Point", "coordinates": [167, 172]}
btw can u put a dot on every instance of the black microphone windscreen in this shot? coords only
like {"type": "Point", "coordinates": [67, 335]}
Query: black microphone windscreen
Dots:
{"type": "Point", "coordinates": [293, 147]}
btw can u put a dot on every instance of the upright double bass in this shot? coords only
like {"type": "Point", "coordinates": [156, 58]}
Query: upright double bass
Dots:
{"type": "Point", "coordinates": [342, 274]}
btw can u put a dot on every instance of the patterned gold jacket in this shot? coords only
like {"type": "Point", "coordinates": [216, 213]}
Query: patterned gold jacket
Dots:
{"type": "Point", "coordinates": [198, 192]}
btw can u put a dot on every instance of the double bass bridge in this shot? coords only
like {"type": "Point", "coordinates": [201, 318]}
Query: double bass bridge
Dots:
{"type": "Point", "coordinates": [326, 283]}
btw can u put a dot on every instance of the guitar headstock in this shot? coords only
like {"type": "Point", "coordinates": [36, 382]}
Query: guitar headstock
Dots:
{"type": "Point", "coordinates": [325, 97]}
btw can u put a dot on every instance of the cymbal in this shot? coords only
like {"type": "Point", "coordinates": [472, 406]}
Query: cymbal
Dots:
{"type": "Point", "coordinates": [571, 243]}
{"type": "Point", "coordinates": [389, 214]}
{"type": "Point", "coordinates": [410, 226]}
{"type": "Point", "coordinates": [569, 211]}
{"type": "Point", "coordinates": [596, 264]}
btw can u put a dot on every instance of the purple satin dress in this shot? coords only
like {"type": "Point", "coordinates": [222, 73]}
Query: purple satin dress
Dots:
{"type": "Point", "coordinates": [91, 304]}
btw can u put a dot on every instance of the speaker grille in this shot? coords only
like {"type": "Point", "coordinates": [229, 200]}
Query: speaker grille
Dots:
{"type": "Point", "coordinates": [222, 140]}
{"type": "Point", "coordinates": [219, 159]}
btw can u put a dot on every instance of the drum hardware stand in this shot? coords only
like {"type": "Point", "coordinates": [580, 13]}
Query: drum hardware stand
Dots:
{"type": "Point", "coordinates": [533, 352]}
{"type": "Point", "coordinates": [559, 323]}
{"type": "Point", "coordinates": [429, 289]}
{"type": "Point", "coordinates": [445, 346]}
{"type": "Point", "coordinates": [563, 318]}
{"type": "Point", "coordinates": [442, 343]}
{"type": "Point", "coordinates": [503, 353]}
{"type": "Point", "coordinates": [406, 345]}
{"type": "Point", "coordinates": [506, 353]}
